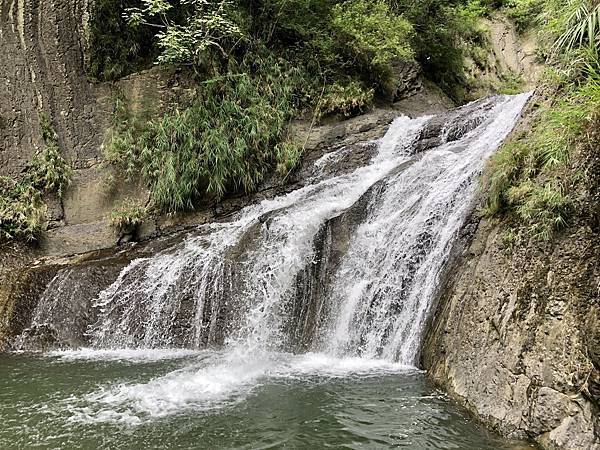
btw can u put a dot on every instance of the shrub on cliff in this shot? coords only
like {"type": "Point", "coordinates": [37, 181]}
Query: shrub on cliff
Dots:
{"type": "Point", "coordinates": [116, 49]}
{"type": "Point", "coordinates": [346, 99]}
{"type": "Point", "coordinates": [128, 216]}
{"type": "Point", "coordinates": [524, 13]}
{"type": "Point", "coordinates": [191, 32]}
{"type": "Point", "coordinates": [535, 177]}
{"type": "Point", "coordinates": [225, 141]}
{"type": "Point", "coordinates": [48, 170]}
{"type": "Point", "coordinates": [22, 209]}
{"type": "Point", "coordinates": [369, 34]}
{"type": "Point", "coordinates": [444, 32]}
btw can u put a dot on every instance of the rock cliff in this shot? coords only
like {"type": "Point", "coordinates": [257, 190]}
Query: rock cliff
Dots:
{"type": "Point", "coordinates": [43, 45]}
{"type": "Point", "coordinates": [515, 338]}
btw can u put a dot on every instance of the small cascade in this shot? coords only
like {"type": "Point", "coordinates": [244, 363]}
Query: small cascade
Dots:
{"type": "Point", "coordinates": [348, 265]}
{"type": "Point", "coordinates": [235, 282]}
{"type": "Point", "coordinates": [64, 309]}
{"type": "Point", "coordinates": [390, 274]}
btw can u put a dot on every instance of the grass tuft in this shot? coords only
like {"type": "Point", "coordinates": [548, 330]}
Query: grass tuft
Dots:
{"type": "Point", "coordinates": [128, 216]}
{"type": "Point", "coordinates": [532, 178]}
{"type": "Point", "coordinates": [348, 100]}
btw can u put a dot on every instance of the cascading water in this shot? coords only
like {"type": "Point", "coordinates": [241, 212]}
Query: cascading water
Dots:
{"type": "Point", "coordinates": [334, 278]}
{"type": "Point", "coordinates": [245, 269]}
{"type": "Point", "coordinates": [390, 274]}
{"type": "Point", "coordinates": [235, 282]}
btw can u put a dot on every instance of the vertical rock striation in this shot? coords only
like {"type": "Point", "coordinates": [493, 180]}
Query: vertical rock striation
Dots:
{"type": "Point", "coordinates": [43, 47]}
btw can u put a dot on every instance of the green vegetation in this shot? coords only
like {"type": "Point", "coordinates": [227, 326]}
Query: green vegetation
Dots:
{"type": "Point", "coordinates": [581, 26]}
{"type": "Point", "coordinates": [257, 65]}
{"type": "Point", "coordinates": [192, 32]}
{"type": "Point", "coordinates": [116, 49]}
{"type": "Point", "coordinates": [348, 99]}
{"type": "Point", "coordinates": [22, 210]}
{"type": "Point", "coordinates": [445, 31]}
{"type": "Point", "coordinates": [128, 216]}
{"type": "Point", "coordinates": [371, 36]}
{"type": "Point", "coordinates": [511, 84]}
{"type": "Point", "coordinates": [224, 141]}
{"type": "Point", "coordinates": [524, 13]}
{"type": "Point", "coordinates": [536, 177]}
{"type": "Point", "coordinates": [48, 171]}
{"type": "Point", "coordinates": [532, 176]}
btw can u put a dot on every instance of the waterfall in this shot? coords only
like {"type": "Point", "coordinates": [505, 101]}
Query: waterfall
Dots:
{"type": "Point", "coordinates": [389, 276]}
{"type": "Point", "coordinates": [348, 265]}
{"type": "Point", "coordinates": [239, 274]}
{"type": "Point", "coordinates": [336, 278]}
{"type": "Point", "coordinates": [247, 282]}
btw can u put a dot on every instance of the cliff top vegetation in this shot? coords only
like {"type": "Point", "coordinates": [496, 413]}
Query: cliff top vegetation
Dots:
{"type": "Point", "coordinates": [543, 180]}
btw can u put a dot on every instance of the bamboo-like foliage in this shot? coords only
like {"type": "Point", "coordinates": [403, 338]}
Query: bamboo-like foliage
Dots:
{"type": "Point", "coordinates": [582, 27]}
{"type": "Point", "coordinates": [224, 142]}
{"type": "Point", "coordinates": [348, 99]}
{"type": "Point", "coordinates": [22, 210]}
{"type": "Point", "coordinates": [48, 170]}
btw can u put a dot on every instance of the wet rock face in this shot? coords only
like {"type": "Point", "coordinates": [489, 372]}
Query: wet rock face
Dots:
{"type": "Point", "coordinates": [43, 44]}
{"type": "Point", "coordinates": [19, 291]}
{"type": "Point", "coordinates": [311, 302]}
{"type": "Point", "coordinates": [405, 80]}
{"type": "Point", "coordinates": [453, 125]}
{"type": "Point", "coordinates": [515, 338]}
{"type": "Point", "coordinates": [64, 324]}
{"type": "Point", "coordinates": [49, 305]}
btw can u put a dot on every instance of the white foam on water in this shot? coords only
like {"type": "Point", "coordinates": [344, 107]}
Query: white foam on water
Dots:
{"type": "Point", "coordinates": [216, 382]}
{"type": "Point", "coordinates": [326, 365]}
{"type": "Point", "coordinates": [129, 355]}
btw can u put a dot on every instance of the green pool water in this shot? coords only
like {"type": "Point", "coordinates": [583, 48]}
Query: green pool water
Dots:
{"type": "Point", "coordinates": [209, 400]}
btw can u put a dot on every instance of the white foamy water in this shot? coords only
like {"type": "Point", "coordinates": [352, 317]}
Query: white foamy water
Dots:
{"type": "Point", "coordinates": [392, 269]}
{"type": "Point", "coordinates": [136, 355]}
{"type": "Point", "coordinates": [218, 380]}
